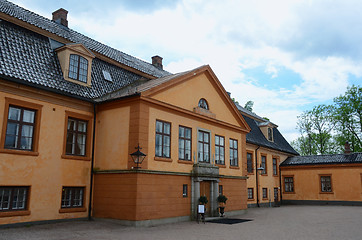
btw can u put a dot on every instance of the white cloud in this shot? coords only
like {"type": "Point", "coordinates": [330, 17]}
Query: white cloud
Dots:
{"type": "Point", "coordinates": [317, 40]}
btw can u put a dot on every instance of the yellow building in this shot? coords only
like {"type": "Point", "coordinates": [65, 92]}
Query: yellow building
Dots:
{"type": "Point", "coordinates": [266, 148]}
{"type": "Point", "coordinates": [324, 179]}
{"type": "Point", "coordinates": [74, 110]}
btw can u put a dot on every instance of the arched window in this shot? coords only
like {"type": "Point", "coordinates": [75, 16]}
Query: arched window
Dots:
{"type": "Point", "coordinates": [203, 104]}
{"type": "Point", "coordinates": [78, 68]}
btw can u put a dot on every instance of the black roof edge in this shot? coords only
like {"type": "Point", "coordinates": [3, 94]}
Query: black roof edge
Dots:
{"type": "Point", "coordinates": [49, 89]}
{"type": "Point", "coordinates": [277, 149]}
{"type": "Point", "coordinates": [314, 164]}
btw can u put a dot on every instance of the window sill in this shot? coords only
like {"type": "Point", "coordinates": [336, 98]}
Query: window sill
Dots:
{"type": "Point", "coordinates": [265, 199]}
{"type": "Point", "coordinates": [75, 157]}
{"type": "Point", "coordinates": [19, 152]}
{"type": "Point", "coordinates": [275, 175]}
{"type": "Point", "coordinates": [288, 192]}
{"type": "Point", "coordinates": [252, 173]}
{"type": "Point", "coordinates": [15, 213]}
{"type": "Point", "coordinates": [163, 159]}
{"type": "Point", "coordinates": [326, 192]}
{"type": "Point", "coordinates": [234, 167]}
{"type": "Point", "coordinates": [72, 210]}
{"type": "Point", "coordinates": [220, 165]}
{"type": "Point", "coordinates": [264, 175]}
{"type": "Point", "coordinates": [185, 162]}
{"type": "Point", "coordinates": [251, 199]}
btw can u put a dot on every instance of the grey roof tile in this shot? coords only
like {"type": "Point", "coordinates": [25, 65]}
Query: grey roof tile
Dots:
{"type": "Point", "coordinates": [323, 159]}
{"type": "Point", "coordinates": [71, 35]}
{"type": "Point", "coordinates": [255, 136]}
{"type": "Point", "coordinates": [28, 56]}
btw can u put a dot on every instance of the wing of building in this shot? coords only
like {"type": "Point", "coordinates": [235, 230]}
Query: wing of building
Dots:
{"type": "Point", "coordinates": [266, 148]}
{"type": "Point", "coordinates": [323, 179]}
{"type": "Point", "coordinates": [88, 130]}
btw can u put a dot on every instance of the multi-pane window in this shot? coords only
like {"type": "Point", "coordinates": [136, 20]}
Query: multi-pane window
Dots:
{"type": "Point", "coordinates": [219, 150]}
{"type": "Point", "coordinates": [275, 167]}
{"type": "Point", "coordinates": [221, 190]}
{"type": "Point", "coordinates": [184, 144]}
{"type": "Point", "coordinates": [184, 190]}
{"type": "Point", "coordinates": [72, 197]}
{"type": "Point", "coordinates": [326, 184]}
{"type": "Point", "coordinates": [288, 184]}
{"type": "Point", "coordinates": [250, 193]}
{"type": "Point", "coordinates": [20, 128]}
{"type": "Point", "coordinates": [203, 150]}
{"type": "Point", "coordinates": [263, 164]}
{"type": "Point", "coordinates": [203, 104]}
{"type": "Point", "coordinates": [265, 193]}
{"type": "Point", "coordinates": [13, 198]}
{"type": "Point", "coordinates": [249, 161]}
{"type": "Point", "coordinates": [76, 137]}
{"type": "Point", "coordinates": [276, 195]}
{"type": "Point", "coordinates": [233, 152]}
{"type": "Point", "coordinates": [270, 134]}
{"type": "Point", "coordinates": [78, 68]}
{"type": "Point", "coordinates": [163, 139]}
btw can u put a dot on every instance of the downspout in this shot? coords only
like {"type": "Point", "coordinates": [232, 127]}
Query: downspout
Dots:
{"type": "Point", "coordinates": [280, 184]}
{"type": "Point", "coordinates": [256, 176]}
{"type": "Point", "coordinates": [92, 164]}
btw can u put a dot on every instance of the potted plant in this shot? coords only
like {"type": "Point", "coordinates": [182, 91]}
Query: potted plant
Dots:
{"type": "Point", "coordinates": [203, 200]}
{"type": "Point", "coordinates": [221, 199]}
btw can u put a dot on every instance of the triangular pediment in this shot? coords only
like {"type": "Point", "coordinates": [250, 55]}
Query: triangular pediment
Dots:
{"type": "Point", "coordinates": [78, 48]}
{"type": "Point", "coordinates": [185, 90]}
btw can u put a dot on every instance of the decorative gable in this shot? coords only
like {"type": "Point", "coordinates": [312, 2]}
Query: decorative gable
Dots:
{"type": "Point", "coordinates": [76, 63]}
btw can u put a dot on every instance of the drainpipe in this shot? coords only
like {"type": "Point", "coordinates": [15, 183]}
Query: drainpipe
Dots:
{"type": "Point", "coordinates": [92, 164]}
{"type": "Point", "coordinates": [256, 176]}
{"type": "Point", "coordinates": [280, 185]}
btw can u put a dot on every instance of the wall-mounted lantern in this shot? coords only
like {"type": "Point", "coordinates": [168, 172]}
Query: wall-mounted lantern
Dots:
{"type": "Point", "coordinates": [138, 156]}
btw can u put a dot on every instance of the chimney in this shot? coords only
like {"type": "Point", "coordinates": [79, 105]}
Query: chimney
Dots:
{"type": "Point", "coordinates": [157, 62]}
{"type": "Point", "coordinates": [60, 17]}
{"type": "Point", "coordinates": [347, 148]}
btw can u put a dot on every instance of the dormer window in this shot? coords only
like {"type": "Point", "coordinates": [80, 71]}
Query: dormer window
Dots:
{"type": "Point", "coordinates": [76, 62]}
{"type": "Point", "coordinates": [203, 104]}
{"type": "Point", "coordinates": [270, 134]}
{"type": "Point", "coordinates": [78, 68]}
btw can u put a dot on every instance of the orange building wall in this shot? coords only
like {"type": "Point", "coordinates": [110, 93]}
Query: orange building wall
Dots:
{"type": "Point", "coordinates": [188, 93]}
{"type": "Point", "coordinates": [142, 196]}
{"type": "Point", "coordinates": [268, 181]}
{"type": "Point", "coordinates": [47, 172]}
{"type": "Point", "coordinates": [234, 190]}
{"type": "Point", "coordinates": [346, 183]}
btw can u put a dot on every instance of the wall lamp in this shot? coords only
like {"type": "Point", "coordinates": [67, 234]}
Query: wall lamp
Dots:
{"type": "Point", "coordinates": [138, 156]}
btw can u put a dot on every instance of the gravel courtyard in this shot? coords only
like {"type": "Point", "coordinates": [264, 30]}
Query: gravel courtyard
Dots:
{"type": "Point", "coordinates": [287, 222]}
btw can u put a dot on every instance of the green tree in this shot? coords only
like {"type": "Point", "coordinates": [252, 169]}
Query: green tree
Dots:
{"type": "Point", "coordinates": [347, 115]}
{"type": "Point", "coordinates": [249, 105]}
{"type": "Point", "coordinates": [316, 128]}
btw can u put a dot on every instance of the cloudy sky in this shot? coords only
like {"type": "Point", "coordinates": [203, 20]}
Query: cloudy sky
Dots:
{"type": "Point", "coordinates": [286, 56]}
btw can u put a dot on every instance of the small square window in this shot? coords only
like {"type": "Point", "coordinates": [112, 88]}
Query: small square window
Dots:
{"type": "Point", "coordinates": [184, 190]}
{"type": "Point", "coordinates": [72, 197]}
{"type": "Point", "coordinates": [107, 75]}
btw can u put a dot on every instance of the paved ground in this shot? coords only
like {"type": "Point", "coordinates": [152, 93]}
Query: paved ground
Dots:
{"type": "Point", "coordinates": [287, 222]}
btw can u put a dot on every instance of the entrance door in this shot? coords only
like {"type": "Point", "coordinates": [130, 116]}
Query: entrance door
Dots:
{"type": "Point", "coordinates": [205, 191]}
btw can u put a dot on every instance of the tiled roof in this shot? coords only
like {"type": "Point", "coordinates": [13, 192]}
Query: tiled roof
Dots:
{"type": "Point", "coordinates": [73, 36]}
{"type": "Point", "coordinates": [255, 136]}
{"type": "Point", "coordinates": [323, 159]}
{"type": "Point", "coordinates": [28, 57]}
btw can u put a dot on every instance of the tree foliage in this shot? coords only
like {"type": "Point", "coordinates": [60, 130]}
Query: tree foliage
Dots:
{"type": "Point", "coordinates": [326, 128]}
{"type": "Point", "coordinates": [249, 105]}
